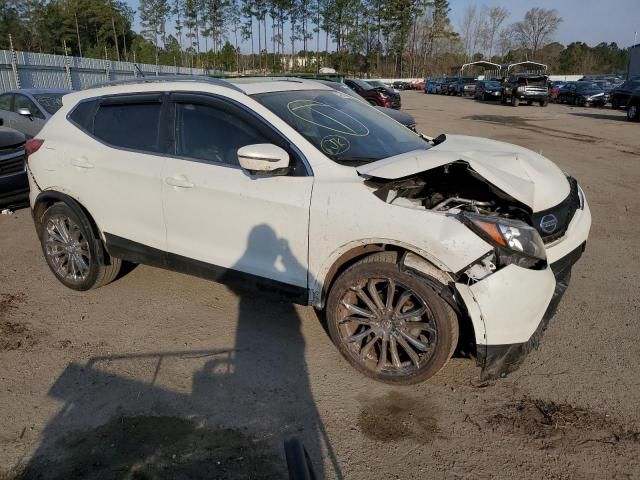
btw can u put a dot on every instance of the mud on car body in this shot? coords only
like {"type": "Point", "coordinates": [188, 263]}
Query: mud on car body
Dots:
{"type": "Point", "coordinates": [407, 242]}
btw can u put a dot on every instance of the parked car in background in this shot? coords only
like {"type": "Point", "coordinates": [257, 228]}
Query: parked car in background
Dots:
{"type": "Point", "coordinates": [444, 88]}
{"type": "Point", "coordinates": [406, 243]}
{"type": "Point", "coordinates": [488, 90]}
{"type": "Point", "coordinates": [555, 89]}
{"type": "Point", "coordinates": [27, 109]}
{"type": "Point", "coordinates": [431, 84]}
{"type": "Point", "coordinates": [398, 115]}
{"type": "Point", "coordinates": [620, 96]}
{"type": "Point", "coordinates": [381, 96]}
{"type": "Point", "coordinates": [382, 85]}
{"type": "Point", "coordinates": [582, 94]}
{"type": "Point", "coordinates": [417, 85]}
{"type": "Point", "coordinates": [464, 86]}
{"type": "Point", "coordinates": [526, 87]}
{"type": "Point", "coordinates": [633, 106]}
{"type": "Point", "coordinates": [401, 85]}
{"type": "Point", "coordinates": [14, 185]}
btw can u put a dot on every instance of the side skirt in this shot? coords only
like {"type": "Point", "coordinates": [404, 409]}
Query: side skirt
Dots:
{"type": "Point", "coordinates": [142, 254]}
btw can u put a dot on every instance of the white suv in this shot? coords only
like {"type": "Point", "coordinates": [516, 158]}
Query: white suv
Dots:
{"type": "Point", "coordinates": [408, 243]}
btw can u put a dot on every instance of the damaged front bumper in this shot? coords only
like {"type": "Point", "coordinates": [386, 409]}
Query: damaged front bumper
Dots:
{"type": "Point", "coordinates": [499, 360]}
{"type": "Point", "coordinates": [511, 308]}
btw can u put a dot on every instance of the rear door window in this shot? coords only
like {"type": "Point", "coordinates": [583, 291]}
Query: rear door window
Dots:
{"type": "Point", "coordinates": [129, 124]}
{"type": "Point", "coordinates": [5, 102]}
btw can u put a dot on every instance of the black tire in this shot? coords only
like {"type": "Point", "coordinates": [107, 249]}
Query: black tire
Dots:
{"type": "Point", "coordinates": [529, 102]}
{"type": "Point", "coordinates": [544, 103]}
{"type": "Point", "coordinates": [73, 257]}
{"type": "Point", "coordinates": [393, 348]}
{"type": "Point", "coordinates": [514, 101]}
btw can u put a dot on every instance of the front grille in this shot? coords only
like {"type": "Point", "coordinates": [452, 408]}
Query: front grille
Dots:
{"type": "Point", "coordinates": [562, 213]}
{"type": "Point", "coordinates": [11, 164]}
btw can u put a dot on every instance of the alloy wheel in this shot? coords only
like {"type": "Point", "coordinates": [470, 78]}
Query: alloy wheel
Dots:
{"type": "Point", "coordinates": [387, 327]}
{"type": "Point", "coordinates": [67, 249]}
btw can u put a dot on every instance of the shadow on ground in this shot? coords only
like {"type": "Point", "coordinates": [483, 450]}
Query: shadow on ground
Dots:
{"type": "Point", "coordinates": [600, 116]}
{"type": "Point", "coordinates": [228, 421]}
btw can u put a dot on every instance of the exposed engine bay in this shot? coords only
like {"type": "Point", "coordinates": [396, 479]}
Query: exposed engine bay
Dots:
{"type": "Point", "coordinates": [454, 186]}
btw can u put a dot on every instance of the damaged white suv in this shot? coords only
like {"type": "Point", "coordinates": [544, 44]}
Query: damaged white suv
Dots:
{"type": "Point", "coordinates": [408, 243]}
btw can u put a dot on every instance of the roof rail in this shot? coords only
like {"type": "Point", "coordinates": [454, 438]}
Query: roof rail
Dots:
{"type": "Point", "coordinates": [168, 78]}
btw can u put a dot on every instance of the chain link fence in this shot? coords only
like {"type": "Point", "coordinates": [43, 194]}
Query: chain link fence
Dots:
{"type": "Point", "coordinates": [43, 70]}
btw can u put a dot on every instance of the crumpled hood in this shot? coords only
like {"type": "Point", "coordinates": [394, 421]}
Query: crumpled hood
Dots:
{"type": "Point", "coordinates": [523, 174]}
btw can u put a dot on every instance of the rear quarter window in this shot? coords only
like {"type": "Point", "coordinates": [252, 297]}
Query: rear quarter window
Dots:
{"type": "Point", "coordinates": [82, 115]}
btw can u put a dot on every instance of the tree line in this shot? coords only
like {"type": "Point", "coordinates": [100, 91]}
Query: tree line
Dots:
{"type": "Point", "coordinates": [383, 38]}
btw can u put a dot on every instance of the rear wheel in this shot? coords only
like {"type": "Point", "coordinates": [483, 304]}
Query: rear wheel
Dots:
{"type": "Point", "coordinates": [72, 250]}
{"type": "Point", "coordinates": [390, 324]}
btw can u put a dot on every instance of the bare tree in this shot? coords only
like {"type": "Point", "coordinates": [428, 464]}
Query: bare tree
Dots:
{"type": "Point", "coordinates": [495, 18]}
{"type": "Point", "coordinates": [473, 29]}
{"type": "Point", "coordinates": [536, 28]}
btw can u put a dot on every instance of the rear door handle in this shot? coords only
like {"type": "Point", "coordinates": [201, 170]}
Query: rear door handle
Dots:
{"type": "Point", "coordinates": [81, 162]}
{"type": "Point", "coordinates": [179, 181]}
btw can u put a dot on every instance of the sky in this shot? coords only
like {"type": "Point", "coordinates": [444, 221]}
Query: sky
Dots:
{"type": "Point", "coordinates": [590, 21]}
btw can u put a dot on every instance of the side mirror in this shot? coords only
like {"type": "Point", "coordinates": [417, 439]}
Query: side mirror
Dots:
{"type": "Point", "coordinates": [263, 158]}
{"type": "Point", "coordinates": [25, 112]}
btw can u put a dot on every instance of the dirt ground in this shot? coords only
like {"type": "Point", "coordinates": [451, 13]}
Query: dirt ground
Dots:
{"type": "Point", "coordinates": [161, 375]}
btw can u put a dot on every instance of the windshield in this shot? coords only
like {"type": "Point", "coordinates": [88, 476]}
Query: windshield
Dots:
{"type": "Point", "coordinates": [344, 129]}
{"type": "Point", "coordinates": [362, 84]}
{"type": "Point", "coordinates": [376, 83]}
{"type": "Point", "coordinates": [51, 102]}
{"type": "Point", "coordinates": [492, 85]}
{"type": "Point", "coordinates": [588, 86]}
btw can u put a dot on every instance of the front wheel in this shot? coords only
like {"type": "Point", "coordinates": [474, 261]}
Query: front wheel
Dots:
{"type": "Point", "coordinates": [390, 324]}
{"type": "Point", "coordinates": [72, 250]}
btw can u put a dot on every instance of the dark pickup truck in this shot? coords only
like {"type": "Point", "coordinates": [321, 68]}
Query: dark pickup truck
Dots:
{"type": "Point", "coordinates": [14, 186]}
{"type": "Point", "coordinates": [526, 87]}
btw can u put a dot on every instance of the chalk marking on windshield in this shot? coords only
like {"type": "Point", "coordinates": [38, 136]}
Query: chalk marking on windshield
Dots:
{"type": "Point", "coordinates": [334, 145]}
{"type": "Point", "coordinates": [350, 131]}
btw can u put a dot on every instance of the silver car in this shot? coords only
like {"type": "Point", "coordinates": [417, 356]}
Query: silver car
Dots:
{"type": "Point", "coordinates": [27, 110]}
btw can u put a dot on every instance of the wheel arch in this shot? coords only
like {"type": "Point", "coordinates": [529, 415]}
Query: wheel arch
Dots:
{"type": "Point", "coordinates": [410, 258]}
{"type": "Point", "coordinates": [47, 198]}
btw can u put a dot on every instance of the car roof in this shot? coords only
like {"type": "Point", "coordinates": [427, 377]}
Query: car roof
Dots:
{"type": "Point", "coordinates": [243, 85]}
{"type": "Point", "coordinates": [39, 91]}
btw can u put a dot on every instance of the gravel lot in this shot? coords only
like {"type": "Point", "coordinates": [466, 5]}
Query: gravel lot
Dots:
{"type": "Point", "coordinates": [160, 375]}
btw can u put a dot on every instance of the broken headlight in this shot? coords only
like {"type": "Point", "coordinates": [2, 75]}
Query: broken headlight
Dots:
{"type": "Point", "coordinates": [515, 241]}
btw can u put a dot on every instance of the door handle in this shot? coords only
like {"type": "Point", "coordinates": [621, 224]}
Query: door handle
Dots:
{"type": "Point", "coordinates": [179, 181]}
{"type": "Point", "coordinates": [81, 162]}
